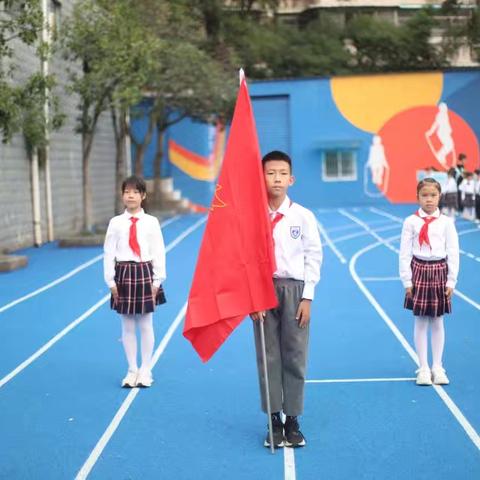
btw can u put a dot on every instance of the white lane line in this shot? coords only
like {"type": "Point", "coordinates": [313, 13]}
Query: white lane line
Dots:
{"type": "Point", "coordinates": [380, 279]}
{"type": "Point", "coordinates": [367, 228]}
{"type": "Point", "coordinates": [61, 279]}
{"type": "Point", "coordinates": [84, 315]}
{"type": "Point", "coordinates": [288, 459]}
{"type": "Point", "coordinates": [112, 427]}
{"type": "Point", "coordinates": [361, 380]}
{"type": "Point", "coordinates": [170, 220]}
{"type": "Point", "coordinates": [361, 234]}
{"type": "Point", "coordinates": [330, 243]}
{"type": "Point", "coordinates": [349, 226]}
{"type": "Point", "coordinates": [52, 341]}
{"type": "Point", "coordinates": [289, 463]}
{"type": "Point", "coordinates": [69, 274]}
{"type": "Point", "coordinates": [456, 412]}
{"type": "Point", "coordinates": [386, 214]}
{"type": "Point", "coordinates": [473, 303]}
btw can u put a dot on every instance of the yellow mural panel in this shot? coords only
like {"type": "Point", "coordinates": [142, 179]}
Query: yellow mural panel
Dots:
{"type": "Point", "coordinates": [368, 102]}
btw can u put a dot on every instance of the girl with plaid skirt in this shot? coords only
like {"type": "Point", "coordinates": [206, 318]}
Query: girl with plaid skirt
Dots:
{"type": "Point", "coordinates": [429, 263]}
{"type": "Point", "coordinates": [134, 269]}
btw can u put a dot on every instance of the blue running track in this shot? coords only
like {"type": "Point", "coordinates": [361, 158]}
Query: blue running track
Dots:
{"type": "Point", "coordinates": [64, 416]}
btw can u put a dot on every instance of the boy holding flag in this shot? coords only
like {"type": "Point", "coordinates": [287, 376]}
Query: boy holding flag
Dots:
{"type": "Point", "coordinates": [237, 261]}
{"type": "Point", "coordinates": [298, 255]}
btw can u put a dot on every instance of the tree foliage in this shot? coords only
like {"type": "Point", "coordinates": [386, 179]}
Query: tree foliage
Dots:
{"type": "Point", "coordinates": [22, 103]}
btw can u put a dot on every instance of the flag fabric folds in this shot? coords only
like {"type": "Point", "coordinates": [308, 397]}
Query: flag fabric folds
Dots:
{"type": "Point", "coordinates": [234, 271]}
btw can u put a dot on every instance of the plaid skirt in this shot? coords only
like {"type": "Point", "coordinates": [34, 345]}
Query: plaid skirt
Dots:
{"type": "Point", "coordinates": [469, 200]}
{"type": "Point", "coordinates": [134, 285]}
{"type": "Point", "coordinates": [450, 200]}
{"type": "Point", "coordinates": [429, 280]}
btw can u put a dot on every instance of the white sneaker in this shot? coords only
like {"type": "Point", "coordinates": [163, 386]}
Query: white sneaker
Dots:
{"type": "Point", "coordinates": [144, 379]}
{"type": "Point", "coordinates": [130, 380]}
{"type": "Point", "coordinates": [439, 376]}
{"type": "Point", "coordinates": [424, 376]}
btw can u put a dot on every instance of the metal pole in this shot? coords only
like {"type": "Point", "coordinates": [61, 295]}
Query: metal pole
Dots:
{"type": "Point", "coordinates": [46, 111]}
{"type": "Point", "coordinates": [267, 388]}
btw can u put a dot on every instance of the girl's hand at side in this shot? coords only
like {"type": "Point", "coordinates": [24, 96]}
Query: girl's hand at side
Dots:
{"type": "Point", "coordinates": [114, 292]}
{"type": "Point", "coordinates": [154, 291]}
{"type": "Point", "coordinates": [448, 292]}
{"type": "Point", "coordinates": [409, 292]}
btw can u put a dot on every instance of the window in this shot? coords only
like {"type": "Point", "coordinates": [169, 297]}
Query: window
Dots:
{"type": "Point", "coordinates": [339, 165]}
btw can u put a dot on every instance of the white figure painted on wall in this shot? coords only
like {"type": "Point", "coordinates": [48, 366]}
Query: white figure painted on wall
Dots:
{"type": "Point", "coordinates": [443, 130]}
{"type": "Point", "coordinates": [378, 165]}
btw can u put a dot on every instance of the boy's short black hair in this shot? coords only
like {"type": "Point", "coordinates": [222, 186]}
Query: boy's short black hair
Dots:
{"type": "Point", "coordinates": [462, 156]}
{"type": "Point", "coordinates": [136, 182]}
{"type": "Point", "coordinates": [277, 155]}
{"type": "Point", "coordinates": [452, 172]}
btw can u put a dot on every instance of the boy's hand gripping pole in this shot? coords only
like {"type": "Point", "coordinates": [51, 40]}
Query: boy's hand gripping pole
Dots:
{"type": "Point", "coordinates": [267, 389]}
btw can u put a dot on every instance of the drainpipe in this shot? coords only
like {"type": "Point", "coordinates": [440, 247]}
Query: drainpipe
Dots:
{"type": "Point", "coordinates": [46, 111]}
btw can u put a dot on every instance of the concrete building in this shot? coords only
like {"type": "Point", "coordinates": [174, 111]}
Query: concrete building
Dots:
{"type": "Point", "coordinates": [342, 11]}
{"type": "Point", "coordinates": [17, 219]}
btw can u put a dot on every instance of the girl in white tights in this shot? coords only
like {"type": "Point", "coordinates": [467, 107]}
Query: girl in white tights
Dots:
{"type": "Point", "coordinates": [134, 268]}
{"type": "Point", "coordinates": [429, 264]}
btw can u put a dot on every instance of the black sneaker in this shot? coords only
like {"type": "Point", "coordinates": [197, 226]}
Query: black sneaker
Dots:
{"type": "Point", "coordinates": [293, 435]}
{"type": "Point", "coordinates": [277, 429]}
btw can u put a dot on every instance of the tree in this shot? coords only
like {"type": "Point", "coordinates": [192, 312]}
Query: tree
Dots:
{"type": "Point", "coordinates": [19, 21]}
{"type": "Point", "coordinates": [183, 81]}
{"type": "Point", "coordinates": [84, 47]}
{"type": "Point", "coordinates": [381, 46]}
{"type": "Point", "coordinates": [109, 56]}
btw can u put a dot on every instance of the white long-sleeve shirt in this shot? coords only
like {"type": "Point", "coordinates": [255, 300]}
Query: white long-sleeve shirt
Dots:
{"type": "Point", "coordinates": [450, 186]}
{"type": "Point", "coordinates": [443, 240]}
{"type": "Point", "coordinates": [298, 249]}
{"type": "Point", "coordinates": [467, 186]}
{"type": "Point", "coordinates": [117, 249]}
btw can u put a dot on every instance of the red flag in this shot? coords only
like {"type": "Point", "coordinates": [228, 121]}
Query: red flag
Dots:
{"type": "Point", "coordinates": [234, 271]}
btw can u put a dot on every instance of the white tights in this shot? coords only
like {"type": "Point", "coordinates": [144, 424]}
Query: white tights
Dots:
{"type": "Point", "coordinates": [129, 340]}
{"type": "Point", "coordinates": [420, 335]}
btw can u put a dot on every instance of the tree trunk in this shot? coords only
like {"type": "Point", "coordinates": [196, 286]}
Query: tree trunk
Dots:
{"type": "Point", "coordinates": [157, 167]}
{"type": "Point", "coordinates": [87, 141]}
{"type": "Point", "coordinates": [141, 147]}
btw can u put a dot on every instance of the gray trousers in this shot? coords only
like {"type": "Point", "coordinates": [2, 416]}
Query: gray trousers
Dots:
{"type": "Point", "coordinates": [286, 345]}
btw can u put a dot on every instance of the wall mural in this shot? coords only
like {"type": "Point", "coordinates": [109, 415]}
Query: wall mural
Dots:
{"type": "Point", "coordinates": [412, 129]}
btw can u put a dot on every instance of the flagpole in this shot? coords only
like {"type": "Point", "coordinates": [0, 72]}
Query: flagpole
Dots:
{"type": "Point", "coordinates": [241, 77]}
{"type": "Point", "coordinates": [267, 388]}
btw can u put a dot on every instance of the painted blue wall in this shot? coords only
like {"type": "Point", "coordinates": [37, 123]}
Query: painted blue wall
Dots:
{"type": "Point", "coordinates": [197, 137]}
{"type": "Point", "coordinates": [316, 125]}
{"type": "Point", "coordinates": [300, 116]}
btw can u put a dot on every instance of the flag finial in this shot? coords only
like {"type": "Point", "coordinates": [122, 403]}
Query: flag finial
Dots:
{"type": "Point", "coordinates": [241, 76]}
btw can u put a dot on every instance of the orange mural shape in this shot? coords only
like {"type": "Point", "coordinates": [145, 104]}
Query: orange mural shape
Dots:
{"type": "Point", "coordinates": [369, 101]}
{"type": "Point", "coordinates": [197, 166]}
{"type": "Point", "coordinates": [413, 141]}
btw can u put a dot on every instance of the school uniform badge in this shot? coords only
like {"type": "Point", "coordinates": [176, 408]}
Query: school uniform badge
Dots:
{"type": "Point", "coordinates": [294, 232]}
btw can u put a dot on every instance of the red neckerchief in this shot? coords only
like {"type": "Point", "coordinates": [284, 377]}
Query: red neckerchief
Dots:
{"type": "Point", "coordinates": [423, 236]}
{"type": "Point", "coordinates": [132, 237]}
{"type": "Point", "coordinates": [278, 216]}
